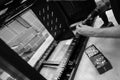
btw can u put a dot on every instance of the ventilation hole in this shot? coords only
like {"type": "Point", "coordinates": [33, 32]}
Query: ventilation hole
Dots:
{"type": "Point", "coordinates": [51, 21]}
{"type": "Point", "coordinates": [44, 18]}
{"type": "Point", "coordinates": [43, 10]}
{"type": "Point", "coordinates": [47, 16]}
{"type": "Point", "coordinates": [55, 27]}
{"type": "Point", "coordinates": [48, 8]}
{"type": "Point", "coordinates": [51, 28]}
{"type": "Point", "coordinates": [56, 20]}
{"type": "Point", "coordinates": [60, 26]}
{"type": "Point", "coordinates": [55, 34]}
{"type": "Point", "coordinates": [47, 23]}
{"type": "Point", "coordinates": [40, 13]}
{"type": "Point", "coordinates": [52, 13]}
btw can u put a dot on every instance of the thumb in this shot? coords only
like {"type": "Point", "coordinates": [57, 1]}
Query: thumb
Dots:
{"type": "Point", "coordinates": [72, 25]}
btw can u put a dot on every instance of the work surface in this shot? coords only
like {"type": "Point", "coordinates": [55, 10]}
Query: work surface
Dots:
{"type": "Point", "coordinates": [111, 50]}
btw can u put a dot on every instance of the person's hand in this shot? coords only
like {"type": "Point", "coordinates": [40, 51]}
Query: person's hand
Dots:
{"type": "Point", "coordinates": [82, 29]}
{"type": "Point", "coordinates": [73, 26]}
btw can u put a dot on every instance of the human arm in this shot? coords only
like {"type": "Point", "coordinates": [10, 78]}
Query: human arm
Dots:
{"type": "Point", "coordinates": [111, 32]}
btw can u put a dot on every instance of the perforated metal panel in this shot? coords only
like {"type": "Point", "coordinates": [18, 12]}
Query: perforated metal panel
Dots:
{"type": "Point", "coordinates": [51, 16]}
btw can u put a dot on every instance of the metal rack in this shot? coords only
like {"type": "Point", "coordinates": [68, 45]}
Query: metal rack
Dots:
{"type": "Point", "coordinates": [53, 18]}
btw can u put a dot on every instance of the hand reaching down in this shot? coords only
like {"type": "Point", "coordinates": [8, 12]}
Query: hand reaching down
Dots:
{"type": "Point", "coordinates": [82, 29]}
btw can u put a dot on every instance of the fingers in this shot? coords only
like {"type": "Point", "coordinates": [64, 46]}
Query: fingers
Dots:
{"type": "Point", "coordinates": [80, 25]}
{"type": "Point", "coordinates": [73, 26]}
{"type": "Point", "coordinates": [76, 30]}
{"type": "Point", "coordinates": [76, 27]}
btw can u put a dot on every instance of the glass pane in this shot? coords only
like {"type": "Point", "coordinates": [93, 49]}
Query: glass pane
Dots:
{"type": "Point", "coordinates": [27, 36]}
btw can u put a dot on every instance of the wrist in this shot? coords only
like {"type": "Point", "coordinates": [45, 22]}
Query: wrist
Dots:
{"type": "Point", "coordinates": [94, 32]}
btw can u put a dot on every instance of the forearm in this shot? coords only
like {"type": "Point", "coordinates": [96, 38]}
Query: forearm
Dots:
{"type": "Point", "coordinates": [112, 32]}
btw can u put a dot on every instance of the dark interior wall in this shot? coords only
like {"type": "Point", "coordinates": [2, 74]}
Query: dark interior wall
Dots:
{"type": "Point", "coordinates": [77, 10]}
{"type": "Point", "coordinates": [4, 1]}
